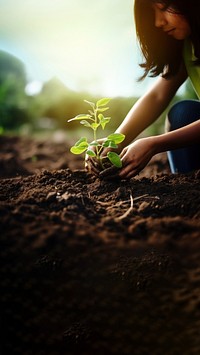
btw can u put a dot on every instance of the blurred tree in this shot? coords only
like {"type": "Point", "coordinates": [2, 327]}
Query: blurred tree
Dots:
{"type": "Point", "coordinates": [13, 100]}
{"type": "Point", "coordinates": [60, 104]}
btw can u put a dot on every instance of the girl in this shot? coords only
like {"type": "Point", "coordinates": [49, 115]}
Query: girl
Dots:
{"type": "Point", "coordinates": [169, 38]}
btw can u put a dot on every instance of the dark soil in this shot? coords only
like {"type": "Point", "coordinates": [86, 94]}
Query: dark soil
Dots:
{"type": "Point", "coordinates": [96, 267]}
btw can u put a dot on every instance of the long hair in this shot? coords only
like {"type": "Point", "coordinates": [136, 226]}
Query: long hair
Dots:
{"type": "Point", "coordinates": [162, 53]}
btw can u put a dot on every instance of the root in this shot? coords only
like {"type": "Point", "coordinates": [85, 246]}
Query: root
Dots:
{"type": "Point", "coordinates": [127, 212]}
{"type": "Point", "coordinates": [131, 206]}
{"type": "Point", "coordinates": [106, 204]}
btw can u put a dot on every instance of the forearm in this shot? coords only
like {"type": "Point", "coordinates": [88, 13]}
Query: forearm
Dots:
{"type": "Point", "coordinates": [180, 138]}
{"type": "Point", "coordinates": [146, 110]}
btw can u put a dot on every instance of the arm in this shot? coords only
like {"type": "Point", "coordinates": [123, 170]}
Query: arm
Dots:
{"type": "Point", "coordinates": [146, 110]}
{"type": "Point", "coordinates": [149, 107]}
{"type": "Point", "coordinates": [179, 138]}
{"type": "Point", "coordinates": [136, 156]}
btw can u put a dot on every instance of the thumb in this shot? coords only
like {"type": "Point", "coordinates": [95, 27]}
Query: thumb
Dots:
{"type": "Point", "coordinates": [123, 153]}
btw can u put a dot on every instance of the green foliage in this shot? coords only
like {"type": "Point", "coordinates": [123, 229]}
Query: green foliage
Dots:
{"type": "Point", "coordinates": [57, 101]}
{"type": "Point", "coordinates": [95, 120]}
{"type": "Point", "coordinates": [114, 159]}
{"type": "Point", "coordinates": [47, 109]}
{"type": "Point", "coordinates": [13, 104]}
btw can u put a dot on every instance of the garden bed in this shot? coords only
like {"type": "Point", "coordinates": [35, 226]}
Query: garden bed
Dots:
{"type": "Point", "coordinates": [92, 266]}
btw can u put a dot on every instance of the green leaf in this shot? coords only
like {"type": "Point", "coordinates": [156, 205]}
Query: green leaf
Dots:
{"type": "Point", "coordinates": [80, 117]}
{"type": "Point", "coordinates": [110, 144]}
{"type": "Point", "coordinates": [95, 144]}
{"type": "Point", "coordinates": [92, 104]}
{"type": "Point", "coordinates": [78, 149]}
{"type": "Point", "coordinates": [116, 137]}
{"type": "Point", "coordinates": [114, 159]}
{"type": "Point", "coordinates": [101, 117]}
{"type": "Point", "coordinates": [86, 123]}
{"type": "Point", "coordinates": [81, 140]}
{"type": "Point", "coordinates": [80, 146]}
{"type": "Point", "coordinates": [106, 144]}
{"type": "Point", "coordinates": [91, 153]}
{"type": "Point", "coordinates": [103, 120]}
{"type": "Point", "coordinates": [103, 109]}
{"type": "Point", "coordinates": [95, 125]}
{"type": "Point", "coordinates": [103, 102]}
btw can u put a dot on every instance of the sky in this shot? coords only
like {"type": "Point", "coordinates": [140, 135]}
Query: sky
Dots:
{"type": "Point", "coordinates": [89, 45]}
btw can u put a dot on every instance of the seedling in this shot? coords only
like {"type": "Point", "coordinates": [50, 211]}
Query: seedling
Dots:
{"type": "Point", "coordinates": [95, 120]}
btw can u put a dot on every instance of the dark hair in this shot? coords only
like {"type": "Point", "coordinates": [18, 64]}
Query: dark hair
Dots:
{"type": "Point", "coordinates": [162, 53]}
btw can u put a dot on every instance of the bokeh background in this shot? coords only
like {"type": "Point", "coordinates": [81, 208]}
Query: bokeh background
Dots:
{"type": "Point", "coordinates": [54, 54]}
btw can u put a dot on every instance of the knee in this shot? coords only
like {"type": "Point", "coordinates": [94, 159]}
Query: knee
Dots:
{"type": "Point", "coordinates": [182, 114]}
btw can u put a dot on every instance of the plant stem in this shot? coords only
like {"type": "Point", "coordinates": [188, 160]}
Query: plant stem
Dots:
{"type": "Point", "coordinates": [95, 132]}
{"type": "Point", "coordinates": [98, 149]}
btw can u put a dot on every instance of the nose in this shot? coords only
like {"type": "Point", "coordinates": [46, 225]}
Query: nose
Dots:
{"type": "Point", "coordinates": [160, 20]}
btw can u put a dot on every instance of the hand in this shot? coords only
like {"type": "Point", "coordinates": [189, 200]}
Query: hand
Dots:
{"type": "Point", "coordinates": [134, 158]}
{"type": "Point", "coordinates": [92, 164]}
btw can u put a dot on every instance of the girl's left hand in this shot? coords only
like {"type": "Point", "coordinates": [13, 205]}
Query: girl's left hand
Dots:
{"type": "Point", "coordinates": [134, 158]}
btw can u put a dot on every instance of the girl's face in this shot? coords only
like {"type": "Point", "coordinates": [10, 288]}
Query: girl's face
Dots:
{"type": "Point", "coordinates": [171, 22]}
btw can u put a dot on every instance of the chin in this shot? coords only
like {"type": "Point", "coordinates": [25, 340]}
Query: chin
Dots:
{"type": "Point", "coordinates": [180, 37]}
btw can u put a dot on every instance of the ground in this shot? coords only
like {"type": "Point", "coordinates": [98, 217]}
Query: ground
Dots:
{"type": "Point", "coordinates": [96, 267]}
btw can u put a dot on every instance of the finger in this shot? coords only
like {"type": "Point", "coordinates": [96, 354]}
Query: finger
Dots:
{"type": "Point", "coordinates": [133, 171]}
{"type": "Point", "coordinates": [132, 174]}
{"type": "Point", "coordinates": [127, 171]}
{"type": "Point", "coordinates": [112, 171]}
{"type": "Point", "coordinates": [126, 160]}
{"type": "Point", "coordinates": [105, 152]}
{"type": "Point", "coordinates": [92, 161]}
{"type": "Point", "coordinates": [90, 169]}
{"type": "Point", "coordinates": [92, 166]}
{"type": "Point", "coordinates": [123, 153]}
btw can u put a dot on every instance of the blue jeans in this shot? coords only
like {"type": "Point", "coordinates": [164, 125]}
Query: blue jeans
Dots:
{"type": "Point", "coordinates": [181, 114]}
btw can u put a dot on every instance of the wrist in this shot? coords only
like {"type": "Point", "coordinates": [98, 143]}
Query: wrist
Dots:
{"type": "Point", "coordinates": [154, 144]}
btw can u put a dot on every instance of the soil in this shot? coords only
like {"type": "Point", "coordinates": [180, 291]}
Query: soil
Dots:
{"type": "Point", "coordinates": [96, 267]}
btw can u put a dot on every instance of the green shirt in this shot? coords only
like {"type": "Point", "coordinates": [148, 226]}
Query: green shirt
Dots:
{"type": "Point", "coordinates": [192, 69]}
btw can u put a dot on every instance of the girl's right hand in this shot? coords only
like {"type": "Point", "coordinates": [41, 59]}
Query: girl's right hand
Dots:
{"type": "Point", "coordinates": [92, 165]}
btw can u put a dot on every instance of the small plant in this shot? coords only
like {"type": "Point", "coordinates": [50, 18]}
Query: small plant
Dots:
{"type": "Point", "coordinates": [96, 120]}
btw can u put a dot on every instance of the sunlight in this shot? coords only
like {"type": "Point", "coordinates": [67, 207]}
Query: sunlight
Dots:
{"type": "Point", "coordinates": [89, 47]}
{"type": "Point", "coordinates": [33, 88]}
